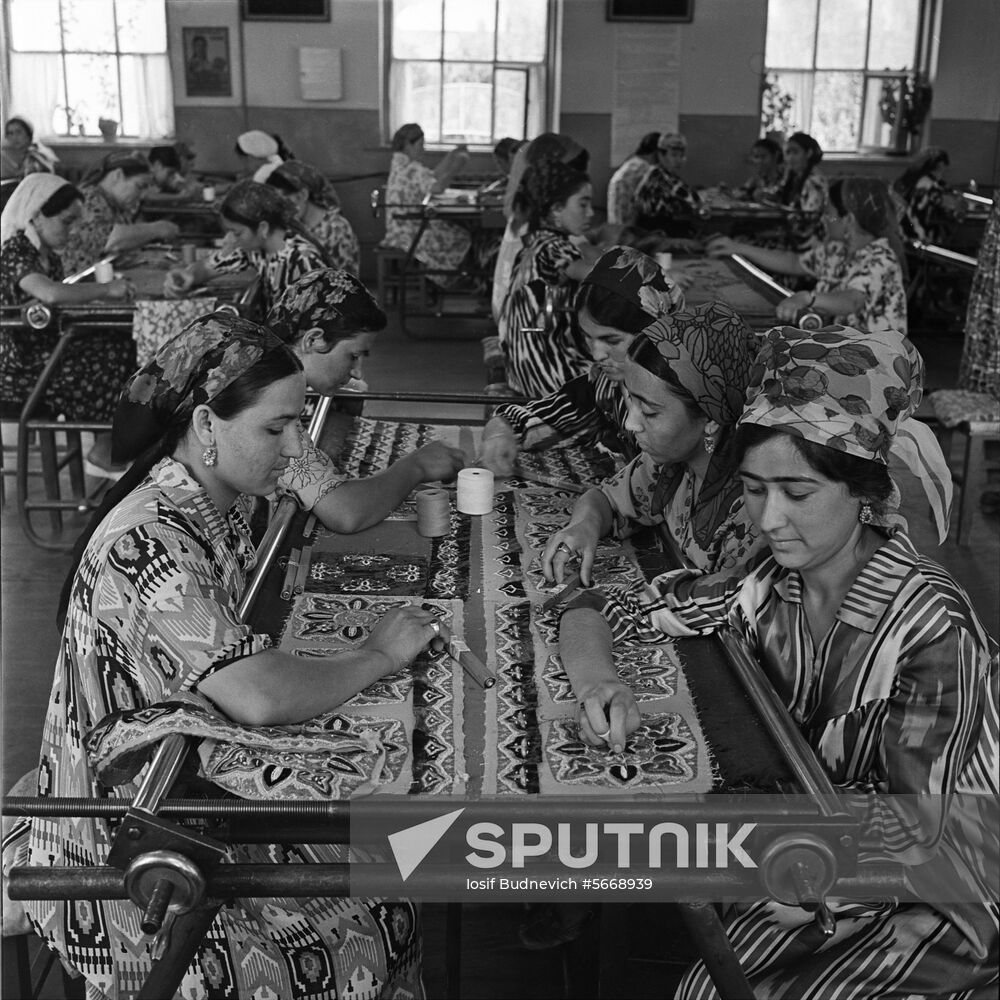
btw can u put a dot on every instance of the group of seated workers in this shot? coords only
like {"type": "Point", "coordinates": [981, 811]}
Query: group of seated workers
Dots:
{"type": "Point", "coordinates": [766, 459]}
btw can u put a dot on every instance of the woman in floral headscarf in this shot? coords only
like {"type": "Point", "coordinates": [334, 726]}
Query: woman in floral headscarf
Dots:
{"type": "Point", "coordinates": [261, 233]}
{"type": "Point", "coordinates": [329, 319]}
{"type": "Point", "coordinates": [318, 211]}
{"type": "Point", "coordinates": [623, 291]}
{"type": "Point", "coordinates": [154, 643]}
{"type": "Point", "coordinates": [538, 330]}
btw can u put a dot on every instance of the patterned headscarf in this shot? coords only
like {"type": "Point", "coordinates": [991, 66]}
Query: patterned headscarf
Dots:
{"type": "Point", "coordinates": [25, 203]}
{"type": "Point", "coordinates": [854, 392]}
{"type": "Point", "coordinates": [250, 203]}
{"type": "Point", "coordinates": [638, 279]}
{"type": "Point", "coordinates": [547, 146]}
{"type": "Point", "coordinates": [710, 351]}
{"type": "Point", "coordinates": [672, 140]}
{"type": "Point", "coordinates": [334, 301]}
{"type": "Point", "coordinates": [205, 358]}
{"type": "Point", "coordinates": [305, 176]}
{"type": "Point", "coordinates": [545, 184]}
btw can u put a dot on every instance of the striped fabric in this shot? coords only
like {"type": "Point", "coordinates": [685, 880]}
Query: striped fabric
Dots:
{"type": "Point", "coordinates": [539, 363]}
{"type": "Point", "coordinates": [899, 699]}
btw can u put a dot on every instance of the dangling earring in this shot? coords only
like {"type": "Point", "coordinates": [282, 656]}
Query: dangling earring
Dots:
{"type": "Point", "coordinates": [210, 455]}
{"type": "Point", "coordinates": [709, 443]}
{"type": "Point", "coordinates": [866, 515]}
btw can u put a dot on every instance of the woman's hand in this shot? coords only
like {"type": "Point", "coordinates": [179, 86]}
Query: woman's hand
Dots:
{"type": "Point", "coordinates": [788, 309]}
{"type": "Point", "coordinates": [721, 246]}
{"type": "Point", "coordinates": [177, 282]}
{"type": "Point", "coordinates": [607, 714]}
{"type": "Point", "coordinates": [118, 290]}
{"type": "Point", "coordinates": [578, 538]}
{"type": "Point", "coordinates": [500, 447]}
{"type": "Point", "coordinates": [400, 635]}
{"type": "Point", "coordinates": [438, 461]}
{"type": "Point", "coordinates": [164, 229]}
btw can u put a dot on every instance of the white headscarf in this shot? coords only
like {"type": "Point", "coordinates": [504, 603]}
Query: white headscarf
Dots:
{"type": "Point", "coordinates": [28, 197]}
{"type": "Point", "coordinates": [260, 145]}
{"type": "Point", "coordinates": [265, 170]}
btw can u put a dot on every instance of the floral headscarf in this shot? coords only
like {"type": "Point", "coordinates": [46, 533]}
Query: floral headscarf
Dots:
{"type": "Point", "coordinates": [638, 279]}
{"type": "Point", "coordinates": [710, 351]}
{"type": "Point", "coordinates": [305, 176]}
{"type": "Point", "coordinates": [192, 368]}
{"type": "Point", "coordinates": [332, 300]}
{"type": "Point", "coordinates": [250, 203]}
{"type": "Point", "coordinates": [854, 392]}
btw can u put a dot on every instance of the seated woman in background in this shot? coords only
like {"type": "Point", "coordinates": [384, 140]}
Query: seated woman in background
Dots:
{"type": "Point", "coordinates": [443, 246]}
{"type": "Point", "coordinates": [329, 320]}
{"type": "Point", "coordinates": [547, 146]}
{"type": "Point", "coordinates": [317, 210]}
{"type": "Point", "coordinates": [261, 233]}
{"type": "Point", "coordinates": [804, 191]}
{"type": "Point", "coordinates": [538, 328]}
{"type": "Point", "coordinates": [625, 180]}
{"type": "Point", "coordinates": [618, 298]}
{"type": "Point", "coordinates": [165, 167]}
{"type": "Point", "coordinates": [107, 223]}
{"type": "Point", "coordinates": [858, 268]}
{"type": "Point", "coordinates": [35, 226]}
{"type": "Point", "coordinates": [503, 155]}
{"type": "Point", "coordinates": [209, 423]}
{"type": "Point", "coordinates": [257, 149]}
{"type": "Point", "coordinates": [768, 173]}
{"type": "Point", "coordinates": [685, 378]}
{"type": "Point", "coordinates": [20, 154]}
{"type": "Point", "coordinates": [879, 658]}
{"type": "Point", "coordinates": [662, 199]}
{"type": "Point", "coordinates": [928, 204]}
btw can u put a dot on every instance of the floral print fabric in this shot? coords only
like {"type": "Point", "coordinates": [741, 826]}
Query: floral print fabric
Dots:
{"type": "Point", "coordinates": [980, 367]}
{"type": "Point", "coordinates": [89, 236]}
{"type": "Point", "coordinates": [805, 224]}
{"type": "Point", "coordinates": [872, 270]}
{"type": "Point", "coordinates": [337, 237]}
{"type": "Point", "coordinates": [621, 190]}
{"type": "Point", "coordinates": [637, 278]}
{"type": "Point", "coordinates": [662, 196]}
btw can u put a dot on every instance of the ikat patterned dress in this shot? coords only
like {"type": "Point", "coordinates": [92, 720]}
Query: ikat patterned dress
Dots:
{"type": "Point", "coordinates": [94, 369]}
{"type": "Point", "coordinates": [900, 699]}
{"type": "Point", "coordinates": [663, 198]}
{"type": "Point", "coordinates": [153, 612]}
{"type": "Point", "coordinates": [443, 245]}
{"type": "Point", "coordinates": [543, 353]}
{"type": "Point", "coordinates": [90, 233]}
{"type": "Point", "coordinates": [873, 270]}
{"type": "Point", "coordinates": [277, 271]}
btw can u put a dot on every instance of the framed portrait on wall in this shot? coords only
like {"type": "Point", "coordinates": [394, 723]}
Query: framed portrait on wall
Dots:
{"type": "Point", "coordinates": [207, 69]}
{"type": "Point", "coordinates": [285, 10]}
{"type": "Point", "coordinates": [650, 10]}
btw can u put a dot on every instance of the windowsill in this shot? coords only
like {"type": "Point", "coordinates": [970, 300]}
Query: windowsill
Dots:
{"type": "Point", "coordinates": [98, 141]}
{"type": "Point", "coordinates": [875, 156]}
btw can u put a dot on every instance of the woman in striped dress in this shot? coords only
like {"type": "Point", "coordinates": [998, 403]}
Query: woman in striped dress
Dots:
{"type": "Point", "coordinates": [617, 299]}
{"type": "Point", "coordinates": [261, 234]}
{"type": "Point", "coordinates": [879, 658]}
{"type": "Point", "coordinates": [538, 328]}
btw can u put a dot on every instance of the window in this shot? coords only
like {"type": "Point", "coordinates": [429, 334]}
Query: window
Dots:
{"type": "Point", "coordinates": [468, 71]}
{"type": "Point", "coordinates": [74, 62]}
{"type": "Point", "coordinates": [851, 73]}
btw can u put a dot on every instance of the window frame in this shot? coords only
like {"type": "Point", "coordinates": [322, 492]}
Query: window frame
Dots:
{"type": "Point", "coordinates": [928, 17]}
{"type": "Point", "coordinates": [547, 99]}
{"type": "Point", "coordinates": [67, 108]}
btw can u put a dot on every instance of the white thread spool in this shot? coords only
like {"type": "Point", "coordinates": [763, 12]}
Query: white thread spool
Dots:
{"type": "Point", "coordinates": [104, 272]}
{"type": "Point", "coordinates": [475, 491]}
{"type": "Point", "coordinates": [665, 260]}
{"type": "Point", "coordinates": [433, 513]}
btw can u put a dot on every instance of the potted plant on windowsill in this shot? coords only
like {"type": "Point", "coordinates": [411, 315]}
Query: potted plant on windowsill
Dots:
{"type": "Point", "coordinates": [109, 129]}
{"type": "Point", "coordinates": [904, 104]}
{"type": "Point", "coordinates": [775, 109]}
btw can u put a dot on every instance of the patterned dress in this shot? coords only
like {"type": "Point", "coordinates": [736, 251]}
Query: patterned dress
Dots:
{"type": "Point", "coordinates": [621, 190]}
{"type": "Point", "coordinates": [88, 382]}
{"type": "Point", "coordinates": [277, 271]}
{"type": "Point", "coordinates": [538, 363]}
{"type": "Point", "coordinates": [873, 270]}
{"type": "Point", "coordinates": [899, 699]}
{"type": "Point", "coordinates": [153, 612]}
{"type": "Point", "coordinates": [980, 368]}
{"type": "Point", "coordinates": [805, 224]}
{"type": "Point", "coordinates": [714, 565]}
{"type": "Point", "coordinates": [925, 217]}
{"type": "Point", "coordinates": [589, 409]}
{"type": "Point", "coordinates": [442, 245]}
{"type": "Point", "coordinates": [90, 233]}
{"type": "Point", "coordinates": [337, 237]}
{"type": "Point", "coordinates": [663, 199]}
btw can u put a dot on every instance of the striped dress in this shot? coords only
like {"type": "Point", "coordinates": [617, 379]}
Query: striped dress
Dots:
{"type": "Point", "coordinates": [589, 409]}
{"type": "Point", "coordinates": [543, 351]}
{"type": "Point", "coordinates": [899, 699]}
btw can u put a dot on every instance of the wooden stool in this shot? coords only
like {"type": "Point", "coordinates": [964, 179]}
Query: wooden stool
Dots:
{"type": "Point", "coordinates": [977, 416]}
{"type": "Point", "coordinates": [389, 274]}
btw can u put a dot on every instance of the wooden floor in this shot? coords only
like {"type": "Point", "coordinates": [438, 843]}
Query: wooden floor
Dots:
{"type": "Point", "coordinates": [493, 962]}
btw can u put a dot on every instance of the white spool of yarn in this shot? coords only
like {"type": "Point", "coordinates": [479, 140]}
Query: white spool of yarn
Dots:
{"type": "Point", "coordinates": [475, 491]}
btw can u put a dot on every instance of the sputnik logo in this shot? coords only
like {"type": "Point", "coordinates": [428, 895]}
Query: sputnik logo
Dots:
{"type": "Point", "coordinates": [412, 845]}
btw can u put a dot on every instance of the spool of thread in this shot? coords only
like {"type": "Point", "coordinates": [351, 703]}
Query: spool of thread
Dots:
{"type": "Point", "coordinates": [810, 321]}
{"type": "Point", "coordinates": [104, 272]}
{"type": "Point", "coordinates": [433, 513]}
{"type": "Point", "coordinates": [208, 192]}
{"type": "Point", "coordinates": [475, 491]}
{"type": "Point", "coordinates": [665, 260]}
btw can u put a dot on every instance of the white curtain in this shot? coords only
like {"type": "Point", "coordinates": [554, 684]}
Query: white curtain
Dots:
{"type": "Point", "coordinates": [36, 91]}
{"type": "Point", "coordinates": [147, 96]}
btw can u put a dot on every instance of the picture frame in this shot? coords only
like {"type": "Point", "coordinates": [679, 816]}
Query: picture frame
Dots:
{"type": "Point", "coordinates": [208, 68]}
{"type": "Point", "coordinates": [666, 11]}
{"type": "Point", "coordinates": [285, 10]}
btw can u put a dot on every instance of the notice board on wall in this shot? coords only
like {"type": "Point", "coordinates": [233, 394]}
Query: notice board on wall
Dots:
{"type": "Point", "coordinates": [320, 74]}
